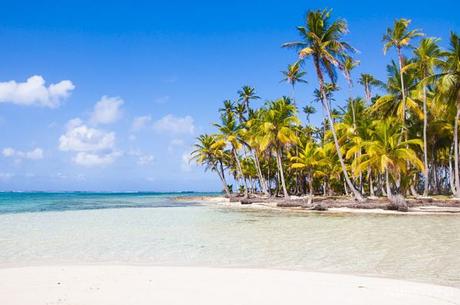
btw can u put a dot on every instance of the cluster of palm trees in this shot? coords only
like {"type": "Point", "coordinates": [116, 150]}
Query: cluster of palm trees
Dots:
{"type": "Point", "coordinates": [403, 141]}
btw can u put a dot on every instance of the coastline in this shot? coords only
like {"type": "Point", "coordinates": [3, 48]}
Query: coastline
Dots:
{"type": "Point", "coordinates": [140, 285]}
{"type": "Point", "coordinates": [330, 205]}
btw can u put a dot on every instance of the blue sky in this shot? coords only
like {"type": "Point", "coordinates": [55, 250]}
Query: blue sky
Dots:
{"type": "Point", "coordinates": [135, 82]}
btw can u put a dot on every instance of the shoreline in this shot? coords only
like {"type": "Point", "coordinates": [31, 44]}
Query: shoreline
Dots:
{"type": "Point", "coordinates": [127, 284]}
{"type": "Point", "coordinates": [331, 205]}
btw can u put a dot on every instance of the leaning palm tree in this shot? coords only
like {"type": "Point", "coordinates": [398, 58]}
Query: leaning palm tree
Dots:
{"type": "Point", "coordinates": [308, 110]}
{"type": "Point", "coordinates": [208, 153]}
{"type": "Point", "coordinates": [293, 75]}
{"type": "Point", "coordinates": [278, 131]}
{"type": "Point", "coordinates": [368, 82]}
{"type": "Point", "coordinates": [246, 94]}
{"type": "Point", "coordinates": [230, 134]}
{"type": "Point", "coordinates": [400, 37]}
{"type": "Point", "coordinates": [428, 56]}
{"type": "Point", "coordinates": [322, 41]}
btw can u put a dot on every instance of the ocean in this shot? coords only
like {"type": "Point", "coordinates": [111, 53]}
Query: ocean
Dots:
{"type": "Point", "coordinates": [157, 229]}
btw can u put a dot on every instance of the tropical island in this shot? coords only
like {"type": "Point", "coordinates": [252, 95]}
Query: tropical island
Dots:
{"type": "Point", "coordinates": [393, 146]}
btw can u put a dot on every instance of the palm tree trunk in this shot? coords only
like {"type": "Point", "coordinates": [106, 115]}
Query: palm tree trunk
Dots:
{"type": "Point", "coordinates": [238, 163]}
{"type": "Point", "coordinates": [403, 89]}
{"type": "Point", "coordinates": [263, 183]}
{"type": "Point", "coordinates": [325, 103]}
{"type": "Point", "coordinates": [456, 155]}
{"type": "Point", "coordinates": [224, 182]}
{"type": "Point", "coordinates": [371, 184]}
{"type": "Point", "coordinates": [310, 188]}
{"type": "Point", "coordinates": [280, 168]}
{"type": "Point", "coordinates": [425, 145]}
{"type": "Point", "coordinates": [388, 187]}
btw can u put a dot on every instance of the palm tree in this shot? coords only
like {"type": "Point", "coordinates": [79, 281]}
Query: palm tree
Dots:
{"type": "Point", "coordinates": [230, 133]}
{"type": "Point", "coordinates": [309, 160]}
{"type": "Point", "coordinates": [246, 94]}
{"type": "Point", "coordinates": [308, 110]}
{"type": "Point", "coordinates": [427, 57]}
{"type": "Point", "coordinates": [278, 131]}
{"type": "Point", "coordinates": [449, 87]}
{"type": "Point", "coordinates": [322, 41]}
{"type": "Point", "coordinates": [385, 153]}
{"type": "Point", "coordinates": [400, 37]}
{"type": "Point", "coordinates": [208, 153]}
{"type": "Point", "coordinates": [368, 81]}
{"type": "Point", "coordinates": [293, 75]}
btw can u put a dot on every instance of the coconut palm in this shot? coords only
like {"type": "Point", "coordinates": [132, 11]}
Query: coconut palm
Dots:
{"type": "Point", "coordinates": [278, 131]}
{"type": "Point", "coordinates": [428, 56]}
{"type": "Point", "coordinates": [293, 75]}
{"type": "Point", "coordinates": [246, 94]}
{"type": "Point", "coordinates": [386, 154]}
{"type": "Point", "coordinates": [310, 159]}
{"type": "Point", "coordinates": [399, 37]}
{"type": "Point", "coordinates": [368, 82]}
{"type": "Point", "coordinates": [230, 133]}
{"type": "Point", "coordinates": [322, 41]}
{"type": "Point", "coordinates": [309, 110]}
{"type": "Point", "coordinates": [211, 155]}
{"type": "Point", "coordinates": [449, 87]}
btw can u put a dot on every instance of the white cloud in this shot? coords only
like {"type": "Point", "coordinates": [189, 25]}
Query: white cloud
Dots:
{"type": "Point", "coordinates": [175, 125]}
{"type": "Point", "coordinates": [94, 159]}
{"type": "Point", "coordinates": [107, 110]}
{"type": "Point", "coordinates": [34, 154]}
{"type": "Point", "coordinates": [93, 147]}
{"type": "Point", "coordinates": [34, 92]}
{"type": "Point", "coordinates": [140, 122]}
{"type": "Point", "coordinates": [81, 138]}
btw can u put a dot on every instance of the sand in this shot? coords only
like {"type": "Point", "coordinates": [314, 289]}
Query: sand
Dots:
{"type": "Point", "coordinates": [139, 285]}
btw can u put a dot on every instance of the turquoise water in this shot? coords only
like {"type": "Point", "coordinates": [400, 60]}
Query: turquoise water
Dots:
{"type": "Point", "coordinates": [18, 202]}
{"type": "Point", "coordinates": [155, 229]}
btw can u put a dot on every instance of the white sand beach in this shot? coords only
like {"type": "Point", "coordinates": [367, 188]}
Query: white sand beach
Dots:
{"type": "Point", "coordinates": [138, 285]}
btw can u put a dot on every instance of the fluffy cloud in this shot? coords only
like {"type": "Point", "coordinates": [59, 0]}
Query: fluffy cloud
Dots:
{"type": "Point", "coordinates": [81, 138]}
{"type": "Point", "coordinates": [34, 154]}
{"type": "Point", "coordinates": [175, 125]}
{"type": "Point", "coordinates": [93, 147]}
{"type": "Point", "coordinates": [140, 122]}
{"type": "Point", "coordinates": [34, 92]}
{"type": "Point", "coordinates": [94, 159]}
{"type": "Point", "coordinates": [107, 110]}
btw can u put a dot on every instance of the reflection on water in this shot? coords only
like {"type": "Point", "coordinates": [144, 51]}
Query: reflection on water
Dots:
{"type": "Point", "coordinates": [424, 248]}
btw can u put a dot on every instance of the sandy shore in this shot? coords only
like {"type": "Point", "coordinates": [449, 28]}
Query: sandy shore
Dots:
{"type": "Point", "coordinates": [138, 285]}
{"type": "Point", "coordinates": [435, 208]}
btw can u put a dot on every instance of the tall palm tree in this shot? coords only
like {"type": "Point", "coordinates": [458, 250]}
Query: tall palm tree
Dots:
{"type": "Point", "coordinates": [278, 131]}
{"type": "Point", "coordinates": [246, 94]}
{"type": "Point", "coordinates": [208, 153]}
{"type": "Point", "coordinates": [368, 82]}
{"type": "Point", "coordinates": [230, 133]}
{"type": "Point", "coordinates": [428, 56]}
{"type": "Point", "coordinates": [322, 41]}
{"type": "Point", "coordinates": [399, 37]}
{"type": "Point", "coordinates": [449, 87]}
{"type": "Point", "coordinates": [293, 75]}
